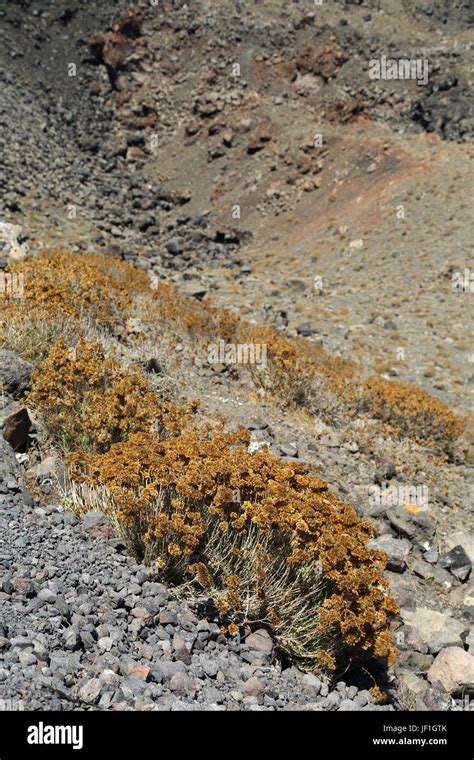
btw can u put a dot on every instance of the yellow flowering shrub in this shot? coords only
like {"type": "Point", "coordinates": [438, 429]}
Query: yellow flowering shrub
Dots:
{"type": "Point", "coordinates": [263, 538]}
{"type": "Point", "coordinates": [295, 365]}
{"type": "Point", "coordinates": [410, 410]}
{"type": "Point", "coordinates": [267, 539]}
{"type": "Point", "coordinates": [77, 286]}
{"type": "Point", "coordinates": [90, 401]}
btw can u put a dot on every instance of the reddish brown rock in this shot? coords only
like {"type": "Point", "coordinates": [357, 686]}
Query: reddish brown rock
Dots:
{"type": "Point", "coordinates": [262, 134]}
{"type": "Point", "coordinates": [116, 49]}
{"type": "Point", "coordinates": [23, 586]}
{"type": "Point", "coordinates": [253, 688]}
{"type": "Point", "coordinates": [260, 641]}
{"type": "Point", "coordinates": [138, 671]}
{"type": "Point", "coordinates": [140, 613]}
{"type": "Point", "coordinates": [105, 532]}
{"type": "Point", "coordinates": [16, 426]}
{"type": "Point", "coordinates": [322, 59]}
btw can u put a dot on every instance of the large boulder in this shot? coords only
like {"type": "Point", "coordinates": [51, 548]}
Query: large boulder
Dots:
{"type": "Point", "coordinates": [122, 46]}
{"type": "Point", "coordinates": [435, 629]}
{"type": "Point", "coordinates": [454, 670]}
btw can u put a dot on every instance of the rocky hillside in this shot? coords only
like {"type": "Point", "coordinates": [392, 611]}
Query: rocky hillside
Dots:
{"type": "Point", "coordinates": [235, 357]}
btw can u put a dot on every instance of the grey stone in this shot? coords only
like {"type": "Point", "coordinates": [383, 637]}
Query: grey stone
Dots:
{"type": "Point", "coordinates": [133, 687]}
{"type": "Point", "coordinates": [305, 330]}
{"type": "Point", "coordinates": [27, 658]}
{"type": "Point", "coordinates": [289, 449]}
{"type": "Point", "coordinates": [411, 688]}
{"type": "Point", "coordinates": [8, 463]}
{"type": "Point", "coordinates": [332, 701]}
{"type": "Point", "coordinates": [457, 562]}
{"type": "Point", "coordinates": [209, 665]}
{"type": "Point", "coordinates": [454, 669]}
{"type": "Point", "coordinates": [182, 684]}
{"type": "Point", "coordinates": [46, 595]}
{"type": "Point", "coordinates": [90, 691]}
{"type": "Point", "coordinates": [72, 640]}
{"type": "Point", "coordinates": [396, 549]}
{"type": "Point", "coordinates": [21, 642]}
{"type": "Point", "coordinates": [386, 470]}
{"type": "Point", "coordinates": [311, 684]}
{"type": "Point", "coordinates": [92, 519]}
{"type": "Point", "coordinates": [435, 628]}
{"type": "Point", "coordinates": [194, 290]}
{"type": "Point", "coordinates": [418, 527]}
{"type": "Point", "coordinates": [15, 373]}
{"type": "Point", "coordinates": [348, 705]}
{"type": "Point", "coordinates": [174, 246]}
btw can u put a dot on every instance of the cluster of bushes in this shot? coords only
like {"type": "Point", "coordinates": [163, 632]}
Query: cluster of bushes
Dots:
{"type": "Point", "coordinates": [267, 541]}
{"type": "Point", "coordinates": [264, 539]}
{"type": "Point", "coordinates": [107, 291]}
{"type": "Point", "coordinates": [59, 284]}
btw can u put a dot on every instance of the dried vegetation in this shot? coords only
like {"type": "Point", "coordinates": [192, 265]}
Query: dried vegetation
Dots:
{"type": "Point", "coordinates": [265, 539]}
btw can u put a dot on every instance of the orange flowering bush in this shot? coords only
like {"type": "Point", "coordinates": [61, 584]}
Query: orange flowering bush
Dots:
{"type": "Point", "coordinates": [411, 411]}
{"type": "Point", "coordinates": [266, 539]}
{"type": "Point", "coordinates": [296, 368]}
{"type": "Point", "coordinates": [89, 400]}
{"type": "Point", "coordinates": [298, 371]}
{"type": "Point", "coordinates": [58, 282]}
{"type": "Point", "coordinates": [305, 374]}
{"type": "Point", "coordinates": [61, 285]}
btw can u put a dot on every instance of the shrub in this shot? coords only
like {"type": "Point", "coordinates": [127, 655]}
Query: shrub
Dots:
{"type": "Point", "coordinates": [90, 401]}
{"type": "Point", "coordinates": [84, 287]}
{"type": "Point", "coordinates": [59, 283]}
{"type": "Point", "coordinates": [284, 552]}
{"type": "Point", "coordinates": [298, 372]}
{"type": "Point", "coordinates": [303, 373]}
{"type": "Point", "coordinates": [411, 411]}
